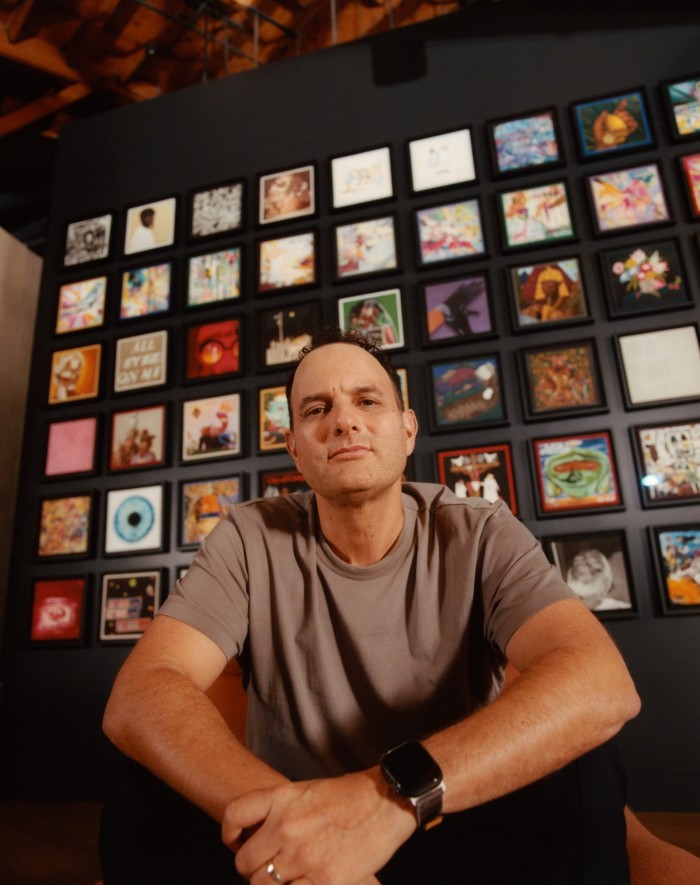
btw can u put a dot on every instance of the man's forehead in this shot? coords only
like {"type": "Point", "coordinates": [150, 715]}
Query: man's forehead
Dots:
{"type": "Point", "coordinates": [348, 363]}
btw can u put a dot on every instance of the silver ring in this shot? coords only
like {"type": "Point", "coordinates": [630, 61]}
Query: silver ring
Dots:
{"type": "Point", "coordinates": [272, 872]}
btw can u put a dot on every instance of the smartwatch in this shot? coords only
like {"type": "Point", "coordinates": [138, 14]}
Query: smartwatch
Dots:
{"type": "Point", "coordinates": [415, 777]}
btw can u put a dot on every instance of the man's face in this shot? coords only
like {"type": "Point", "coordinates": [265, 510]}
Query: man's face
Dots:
{"type": "Point", "coordinates": [350, 436]}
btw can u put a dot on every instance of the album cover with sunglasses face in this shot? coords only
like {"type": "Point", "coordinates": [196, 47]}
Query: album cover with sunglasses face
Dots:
{"type": "Point", "coordinates": [213, 349]}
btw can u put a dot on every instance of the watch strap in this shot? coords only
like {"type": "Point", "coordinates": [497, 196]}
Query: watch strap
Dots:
{"type": "Point", "coordinates": [428, 807]}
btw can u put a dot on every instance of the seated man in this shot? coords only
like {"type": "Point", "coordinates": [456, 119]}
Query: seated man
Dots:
{"type": "Point", "coordinates": [373, 621]}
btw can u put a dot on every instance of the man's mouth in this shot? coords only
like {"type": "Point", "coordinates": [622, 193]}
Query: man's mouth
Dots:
{"type": "Point", "coordinates": [349, 452]}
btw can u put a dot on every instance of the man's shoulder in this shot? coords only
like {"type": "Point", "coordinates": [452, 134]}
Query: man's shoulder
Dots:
{"type": "Point", "coordinates": [435, 497]}
{"type": "Point", "coordinates": [279, 507]}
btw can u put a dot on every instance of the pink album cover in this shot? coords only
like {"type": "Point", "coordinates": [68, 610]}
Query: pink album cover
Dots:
{"type": "Point", "coordinates": [71, 447]}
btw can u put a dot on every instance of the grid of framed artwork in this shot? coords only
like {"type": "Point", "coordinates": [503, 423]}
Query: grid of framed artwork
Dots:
{"type": "Point", "coordinates": [490, 271]}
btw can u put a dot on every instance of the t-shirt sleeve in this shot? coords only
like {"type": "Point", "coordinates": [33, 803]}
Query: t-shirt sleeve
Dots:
{"type": "Point", "coordinates": [212, 596]}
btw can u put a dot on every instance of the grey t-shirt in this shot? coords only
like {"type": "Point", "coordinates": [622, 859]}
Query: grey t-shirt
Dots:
{"type": "Point", "coordinates": [344, 662]}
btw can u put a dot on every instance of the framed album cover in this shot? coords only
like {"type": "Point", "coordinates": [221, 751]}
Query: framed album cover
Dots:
{"type": "Point", "coordinates": [71, 446]}
{"type": "Point", "coordinates": [403, 380]}
{"type": "Point", "coordinates": [88, 240]}
{"type": "Point", "coordinates": [81, 305]}
{"type": "Point", "coordinates": [668, 462]}
{"type": "Point", "coordinates": [65, 526]}
{"type": "Point", "coordinates": [129, 602]}
{"type": "Point", "coordinates": [287, 262]}
{"type": "Point", "coordinates": [138, 438]}
{"type": "Point", "coordinates": [525, 143]}
{"type": "Point", "coordinates": [677, 557]}
{"type": "Point", "coordinates": [204, 503]}
{"type": "Point", "coordinates": [627, 199]}
{"type": "Point", "coordinates": [213, 350]}
{"type": "Point", "coordinates": [457, 310]}
{"type": "Point", "coordinates": [561, 380]}
{"type": "Point", "coordinates": [690, 164]}
{"type": "Point", "coordinates": [479, 472]}
{"type": "Point", "coordinates": [466, 393]}
{"type": "Point", "coordinates": [363, 177]}
{"type": "Point", "coordinates": [442, 160]}
{"type": "Point", "coordinates": [548, 294]}
{"type": "Point", "coordinates": [214, 277]}
{"type": "Point", "coordinates": [75, 374]}
{"type": "Point", "coordinates": [659, 367]}
{"type": "Point", "coordinates": [275, 483]}
{"type": "Point", "coordinates": [612, 124]}
{"type": "Point", "coordinates": [141, 361]}
{"type": "Point", "coordinates": [365, 247]}
{"type": "Point", "coordinates": [145, 291]}
{"type": "Point", "coordinates": [286, 194]}
{"type": "Point", "coordinates": [216, 210]}
{"type": "Point", "coordinates": [274, 419]}
{"type": "Point", "coordinates": [596, 566]}
{"type": "Point", "coordinates": [451, 232]}
{"type": "Point", "coordinates": [377, 314]}
{"type": "Point", "coordinates": [576, 474]}
{"type": "Point", "coordinates": [282, 332]}
{"type": "Point", "coordinates": [681, 99]}
{"type": "Point", "coordinates": [150, 226]}
{"type": "Point", "coordinates": [211, 428]}
{"type": "Point", "coordinates": [535, 216]}
{"type": "Point", "coordinates": [58, 611]}
{"type": "Point", "coordinates": [134, 520]}
{"type": "Point", "coordinates": [645, 277]}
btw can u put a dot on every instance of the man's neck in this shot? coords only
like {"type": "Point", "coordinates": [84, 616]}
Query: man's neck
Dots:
{"type": "Point", "coordinates": [361, 532]}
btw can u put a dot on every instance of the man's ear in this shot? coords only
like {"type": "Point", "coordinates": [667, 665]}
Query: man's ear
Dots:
{"type": "Point", "coordinates": [410, 426]}
{"type": "Point", "coordinates": [289, 442]}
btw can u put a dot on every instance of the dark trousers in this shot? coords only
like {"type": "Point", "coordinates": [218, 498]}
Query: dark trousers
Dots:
{"type": "Point", "coordinates": [567, 829]}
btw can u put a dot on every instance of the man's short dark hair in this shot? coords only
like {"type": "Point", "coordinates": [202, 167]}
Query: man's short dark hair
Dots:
{"type": "Point", "coordinates": [335, 335]}
{"type": "Point", "coordinates": [147, 215]}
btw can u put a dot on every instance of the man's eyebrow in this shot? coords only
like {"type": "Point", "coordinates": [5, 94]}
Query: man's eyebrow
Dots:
{"type": "Point", "coordinates": [325, 395]}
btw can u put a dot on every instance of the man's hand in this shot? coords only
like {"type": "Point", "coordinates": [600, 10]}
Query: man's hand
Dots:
{"type": "Point", "coordinates": [335, 831]}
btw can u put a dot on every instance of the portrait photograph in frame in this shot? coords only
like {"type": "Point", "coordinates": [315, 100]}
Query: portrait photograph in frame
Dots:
{"type": "Point", "coordinates": [612, 124]}
{"type": "Point", "coordinates": [644, 278]}
{"type": "Point", "coordinates": [677, 558]}
{"type": "Point", "coordinates": [211, 428]}
{"type": "Point", "coordinates": [204, 503]}
{"type": "Point", "coordinates": [287, 194]}
{"type": "Point", "coordinates": [216, 210]}
{"type": "Point", "coordinates": [58, 610]}
{"type": "Point", "coordinates": [377, 314]}
{"type": "Point", "coordinates": [549, 293]}
{"type": "Point", "coordinates": [213, 349]}
{"type": "Point", "coordinates": [479, 472]}
{"type": "Point", "coordinates": [365, 247]}
{"type": "Point", "coordinates": [363, 177]}
{"type": "Point", "coordinates": [88, 240]}
{"type": "Point", "coordinates": [138, 438]}
{"type": "Point", "coordinates": [525, 143]}
{"type": "Point", "coordinates": [561, 379]}
{"type": "Point", "coordinates": [533, 216]}
{"type": "Point", "coordinates": [214, 277]}
{"type": "Point", "coordinates": [681, 99]}
{"type": "Point", "coordinates": [283, 331]}
{"type": "Point", "coordinates": [450, 232]}
{"type": "Point", "coordinates": [145, 291]}
{"type": "Point", "coordinates": [141, 361]}
{"type": "Point", "coordinates": [287, 262]}
{"type": "Point", "coordinates": [576, 474]}
{"type": "Point", "coordinates": [75, 374]}
{"type": "Point", "coordinates": [277, 483]}
{"type": "Point", "coordinates": [128, 605]}
{"type": "Point", "coordinates": [457, 310]}
{"type": "Point", "coordinates": [71, 447]}
{"type": "Point", "coordinates": [628, 198]}
{"type": "Point", "coordinates": [466, 392]}
{"type": "Point", "coordinates": [690, 164]}
{"type": "Point", "coordinates": [274, 419]}
{"type": "Point", "coordinates": [150, 226]}
{"type": "Point", "coordinates": [668, 462]}
{"type": "Point", "coordinates": [65, 526]}
{"type": "Point", "coordinates": [134, 520]}
{"type": "Point", "coordinates": [596, 566]}
{"type": "Point", "coordinates": [442, 160]}
{"type": "Point", "coordinates": [81, 305]}
{"type": "Point", "coordinates": [659, 367]}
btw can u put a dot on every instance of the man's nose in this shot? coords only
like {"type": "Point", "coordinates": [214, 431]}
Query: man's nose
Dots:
{"type": "Point", "coordinates": [345, 419]}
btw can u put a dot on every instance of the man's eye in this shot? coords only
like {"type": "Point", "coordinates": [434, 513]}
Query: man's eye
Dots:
{"type": "Point", "coordinates": [317, 410]}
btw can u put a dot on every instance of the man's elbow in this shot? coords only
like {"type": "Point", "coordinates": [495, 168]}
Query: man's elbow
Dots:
{"type": "Point", "coordinates": [625, 702]}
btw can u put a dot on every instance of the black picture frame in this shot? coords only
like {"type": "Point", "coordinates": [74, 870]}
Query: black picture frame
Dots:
{"type": "Point", "coordinates": [535, 216]}
{"type": "Point", "coordinates": [59, 606]}
{"type": "Point", "coordinates": [361, 177]}
{"type": "Point", "coordinates": [204, 502]}
{"type": "Point", "coordinates": [146, 291]}
{"type": "Point", "coordinates": [139, 438]}
{"type": "Point", "coordinates": [213, 350]}
{"type": "Point", "coordinates": [65, 526]}
{"type": "Point", "coordinates": [682, 106]}
{"type": "Point", "coordinates": [287, 194]}
{"type": "Point", "coordinates": [277, 482]}
{"type": "Point", "coordinates": [281, 332]}
{"type": "Point", "coordinates": [288, 262]}
{"type": "Point", "coordinates": [628, 198]}
{"type": "Point", "coordinates": [211, 427]}
{"type": "Point", "coordinates": [366, 247]}
{"type": "Point", "coordinates": [135, 520]}
{"type": "Point", "coordinates": [139, 237]}
{"type": "Point", "coordinates": [667, 459]}
{"type": "Point", "coordinates": [482, 471]}
{"type": "Point", "coordinates": [129, 601]}
{"type": "Point", "coordinates": [466, 393]}
{"type": "Point", "coordinates": [88, 241]}
{"type": "Point", "coordinates": [214, 278]}
{"type": "Point", "coordinates": [676, 553]}
{"type": "Point", "coordinates": [216, 210]}
{"type": "Point", "coordinates": [72, 447]}
{"type": "Point", "coordinates": [548, 294]}
{"type": "Point", "coordinates": [441, 160]}
{"type": "Point", "coordinates": [612, 124]}
{"type": "Point", "coordinates": [449, 232]}
{"type": "Point", "coordinates": [525, 143]}
{"type": "Point", "coordinates": [457, 310]}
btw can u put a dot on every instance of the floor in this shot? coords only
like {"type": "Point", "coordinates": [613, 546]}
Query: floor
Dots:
{"type": "Point", "coordinates": [55, 843]}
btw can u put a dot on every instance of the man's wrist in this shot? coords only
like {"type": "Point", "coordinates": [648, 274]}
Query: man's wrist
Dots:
{"type": "Point", "coordinates": [415, 778]}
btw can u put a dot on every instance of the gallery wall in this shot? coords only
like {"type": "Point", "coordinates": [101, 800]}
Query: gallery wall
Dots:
{"type": "Point", "coordinates": [469, 71]}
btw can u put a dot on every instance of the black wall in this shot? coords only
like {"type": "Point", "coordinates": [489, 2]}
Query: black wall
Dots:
{"type": "Point", "coordinates": [461, 70]}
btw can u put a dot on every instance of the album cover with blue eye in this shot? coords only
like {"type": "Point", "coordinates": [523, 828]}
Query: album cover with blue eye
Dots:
{"type": "Point", "coordinates": [134, 520]}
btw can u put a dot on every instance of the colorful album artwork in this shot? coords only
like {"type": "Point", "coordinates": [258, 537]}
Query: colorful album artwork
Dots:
{"type": "Point", "coordinates": [523, 143]}
{"type": "Point", "coordinates": [457, 310]}
{"type": "Point", "coordinates": [134, 520]}
{"type": "Point", "coordinates": [670, 462]}
{"type": "Point", "coordinates": [677, 553]}
{"type": "Point", "coordinates": [549, 292]}
{"type": "Point", "coordinates": [466, 392]}
{"type": "Point", "coordinates": [377, 314]}
{"type": "Point", "coordinates": [645, 277]}
{"type": "Point", "coordinates": [204, 503]}
{"type": "Point", "coordinates": [150, 226]}
{"type": "Point", "coordinates": [65, 526]}
{"type": "Point", "coordinates": [58, 607]}
{"type": "Point", "coordinates": [88, 240]}
{"type": "Point", "coordinates": [216, 210]}
{"type": "Point", "coordinates": [81, 305]}
{"type": "Point", "coordinates": [138, 438]}
{"type": "Point", "coordinates": [145, 291]}
{"type": "Point", "coordinates": [130, 601]}
{"type": "Point", "coordinates": [214, 277]}
{"type": "Point", "coordinates": [274, 419]}
{"type": "Point", "coordinates": [479, 472]}
{"type": "Point", "coordinates": [75, 374]}
{"type": "Point", "coordinates": [536, 215]}
{"type": "Point", "coordinates": [287, 262]}
{"type": "Point", "coordinates": [450, 232]}
{"type": "Point", "coordinates": [213, 349]}
{"type": "Point", "coordinates": [211, 428]}
{"type": "Point", "coordinates": [276, 483]}
{"type": "Point", "coordinates": [628, 198]}
{"type": "Point", "coordinates": [365, 247]}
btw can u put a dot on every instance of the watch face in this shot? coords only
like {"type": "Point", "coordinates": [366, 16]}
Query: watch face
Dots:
{"type": "Point", "coordinates": [411, 770]}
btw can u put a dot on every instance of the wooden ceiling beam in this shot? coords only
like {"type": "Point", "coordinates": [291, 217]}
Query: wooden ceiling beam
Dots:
{"type": "Point", "coordinates": [39, 55]}
{"type": "Point", "coordinates": [17, 18]}
{"type": "Point", "coordinates": [43, 107]}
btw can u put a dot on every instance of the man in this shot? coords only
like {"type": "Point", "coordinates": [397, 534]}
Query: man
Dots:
{"type": "Point", "coordinates": [143, 236]}
{"type": "Point", "coordinates": [368, 615]}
